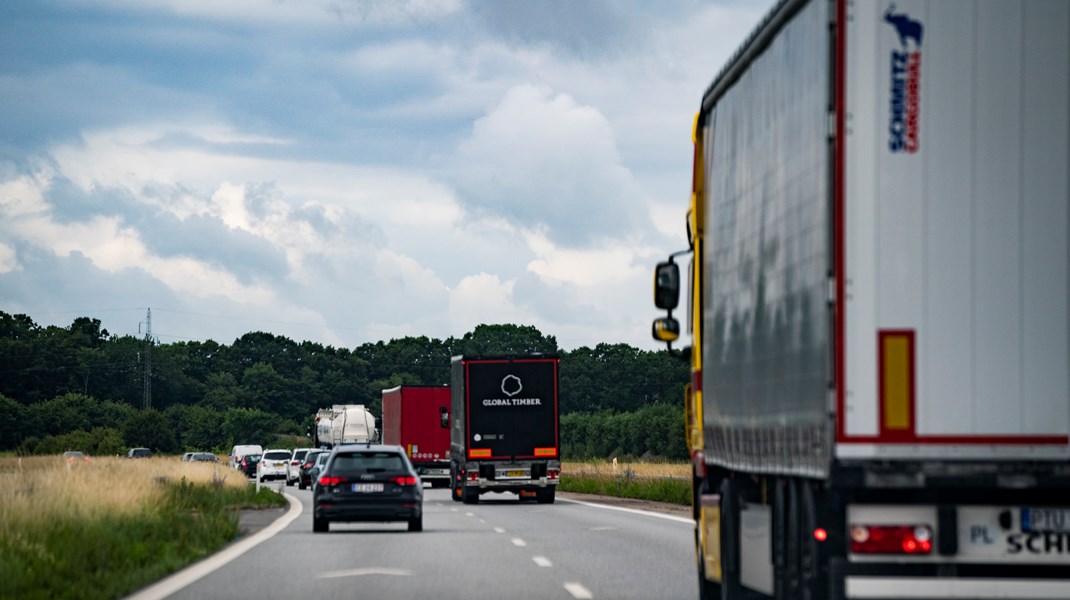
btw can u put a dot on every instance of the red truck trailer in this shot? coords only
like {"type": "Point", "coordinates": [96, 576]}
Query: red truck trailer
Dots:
{"type": "Point", "coordinates": [417, 418]}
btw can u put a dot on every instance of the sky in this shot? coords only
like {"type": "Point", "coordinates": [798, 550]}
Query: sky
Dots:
{"type": "Point", "coordinates": [350, 171]}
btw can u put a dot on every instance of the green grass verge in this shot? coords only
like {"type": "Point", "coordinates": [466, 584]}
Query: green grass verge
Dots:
{"type": "Point", "coordinates": [676, 491]}
{"type": "Point", "coordinates": [114, 555]}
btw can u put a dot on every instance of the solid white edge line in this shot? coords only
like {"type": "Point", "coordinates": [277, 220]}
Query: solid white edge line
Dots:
{"type": "Point", "coordinates": [180, 579]}
{"type": "Point", "coordinates": [630, 510]}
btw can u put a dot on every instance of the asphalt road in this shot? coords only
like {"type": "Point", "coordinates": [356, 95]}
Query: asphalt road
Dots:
{"type": "Point", "coordinates": [498, 548]}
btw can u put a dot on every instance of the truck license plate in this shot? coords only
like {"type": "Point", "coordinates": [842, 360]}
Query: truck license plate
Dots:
{"type": "Point", "coordinates": [365, 488]}
{"type": "Point", "coordinates": [1045, 519]}
{"type": "Point", "coordinates": [512, 474]}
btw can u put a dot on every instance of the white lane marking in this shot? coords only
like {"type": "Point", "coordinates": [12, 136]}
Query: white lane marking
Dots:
{"type": "Point", "coordinates": [499, 530]}
{"type": "Point", "coordinates": [469, 514]}
{"type": "Point", "coordinates": [519, 542]}
{"type": "Point", "coordinates": [542, 561]}
{"type": "Point", "coordinates": [578, 591]}
{"type": "Point", "coordinates": [455, 510]}
{"type": "Point", "coordinates": [630, 510]}
{"type": "Point", "coordinates": [192, 573]}
{"type": "Point", "coordinates": [365, 571]}
{"type": "Point", "coordinates": [483, 521]}
{"type": "Point", "coordinates": [602, 529]}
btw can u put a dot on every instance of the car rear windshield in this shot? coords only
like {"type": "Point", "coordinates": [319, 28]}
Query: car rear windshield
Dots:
{"type": "Point", "coordinates": [277, 455]}
{"type": "Point", "coordinates": [300, 454]}
{"type": "Point", "coordinates": [367, 462]}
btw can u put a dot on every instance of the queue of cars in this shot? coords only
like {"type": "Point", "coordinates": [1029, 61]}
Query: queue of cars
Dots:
{"type": "Point", "coordinates": [351, 483]}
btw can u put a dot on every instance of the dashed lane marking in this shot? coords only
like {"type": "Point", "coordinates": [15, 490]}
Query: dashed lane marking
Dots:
{"type": "Point", "coordinates": [499, 530]}
{"type": "Point", "coordinates": [542, 561]}
{"type": "Point", "coordinates": [578, 591]}
{"type": "Point", "coordinates": [365, 571]}
{"type": "Point", "coordinates": [519, 542]}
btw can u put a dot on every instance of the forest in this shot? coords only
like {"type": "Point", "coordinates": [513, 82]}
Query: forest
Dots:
{"type": "Point", "coordinates": [79, 387]}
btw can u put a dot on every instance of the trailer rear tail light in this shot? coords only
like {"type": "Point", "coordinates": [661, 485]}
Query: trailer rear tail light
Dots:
{"type": "Point", "coordinates": [329, 480]}
{"type": "Point", "coordinates": [404, 480]}
{"type": "Point", "coordinates": [473, 475]}
{"type": "Point", "coordinates": [891, 539]}
{"type": "Point", "coordinates": [821, 534]}
{"type": "Point", "coordinates": [553, 474]}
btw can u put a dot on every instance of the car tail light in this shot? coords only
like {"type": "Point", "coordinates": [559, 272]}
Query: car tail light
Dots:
{"type": "Point", "coordinates": [329, 480]}
{"type": "Point", "coordinates": [294, 463]}
{"type": "Point", "coordinates": [404, 480]}
{"type": "Point", "coordinates": [891, 539]}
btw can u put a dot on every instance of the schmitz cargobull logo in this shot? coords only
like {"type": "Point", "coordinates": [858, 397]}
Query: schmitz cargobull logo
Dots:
{"type": "Point", "coordinates": [905, 82]}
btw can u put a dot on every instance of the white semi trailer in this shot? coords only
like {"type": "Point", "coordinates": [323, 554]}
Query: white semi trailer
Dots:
{"type": "Point", "coordinates": [880, 304]}
{"type": "Point", "coordinates": [344, 424]}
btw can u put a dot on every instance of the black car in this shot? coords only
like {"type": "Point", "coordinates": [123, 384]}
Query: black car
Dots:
{"type": "Point", "coordinates": [304, 478]}
{"type": "Point", "coordinates": [248, 464]}
{"type": "Point", "coordinates": [367, 483]}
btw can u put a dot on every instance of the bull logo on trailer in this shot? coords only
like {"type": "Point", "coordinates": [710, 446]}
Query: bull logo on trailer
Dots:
{"type": "Point", "coordinates": [905, 103]}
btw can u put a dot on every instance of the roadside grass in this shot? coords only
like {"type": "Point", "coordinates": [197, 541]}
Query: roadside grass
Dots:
{"type": "Point", "coordinates": [106, 528]}
{"type": "Point", "coordinates": [658, 482]}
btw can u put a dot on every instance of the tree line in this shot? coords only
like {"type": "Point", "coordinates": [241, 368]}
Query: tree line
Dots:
{"type": "Point", "coordinates": [81, 387]}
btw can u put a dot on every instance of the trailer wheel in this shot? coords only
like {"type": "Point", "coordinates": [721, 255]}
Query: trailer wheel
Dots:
{"type": "Point", "coordinates": [545, 496]}
{"type": "Point", "coordinates": [730, 515]}
{"type": "Point", "coordinates": [469, 496]}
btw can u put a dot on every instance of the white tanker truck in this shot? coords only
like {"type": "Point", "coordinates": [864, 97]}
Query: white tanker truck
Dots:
{"type": "Point", "coordinates": [344, 424]}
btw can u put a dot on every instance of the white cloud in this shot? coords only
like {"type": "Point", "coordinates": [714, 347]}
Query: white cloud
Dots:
{"type": "Point", "coordinates": [482, 298]}
{"type": "Point", "coordinates": [594, 267]}
{"type": "Point", "coordinates": [544, 162]}
{"type": "Point", "coordinates": [8, 260]}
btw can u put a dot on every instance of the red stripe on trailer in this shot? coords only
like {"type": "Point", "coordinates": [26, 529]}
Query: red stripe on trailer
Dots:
{"type": "Point", "coordinates": [838, 190]}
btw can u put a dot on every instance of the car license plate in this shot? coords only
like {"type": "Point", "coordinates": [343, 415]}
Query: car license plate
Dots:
{"type": "Point", "coordinates": [365, 488]}
{"type": "Point", "coordinates": [280, 464]}
{"type": "Point", "coordinates": [1045, 519]}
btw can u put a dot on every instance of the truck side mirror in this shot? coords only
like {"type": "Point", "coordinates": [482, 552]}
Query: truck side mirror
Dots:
{"type": "Point", "coordinates": [444, 416]}
{"type": "Point", "coordinates": [667, 286]}
{"type": "Point", "coordinates": [666, 329]}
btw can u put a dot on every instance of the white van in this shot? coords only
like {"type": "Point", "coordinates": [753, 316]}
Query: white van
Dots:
{"type": "Point", "coordinates": [237, 452]}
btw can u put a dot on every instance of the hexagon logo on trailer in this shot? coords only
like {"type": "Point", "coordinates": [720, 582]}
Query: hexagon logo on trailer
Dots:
{"type": "Point", "coordinates": [905, 103]}
{"type": "Point", "coordinates": [511, 385]}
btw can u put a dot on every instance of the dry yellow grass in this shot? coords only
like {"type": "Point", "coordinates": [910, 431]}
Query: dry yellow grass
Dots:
{"type": "Point", "coordinates": [637, 468]}
{"type": "Point", "coordinates": [40, 487]}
